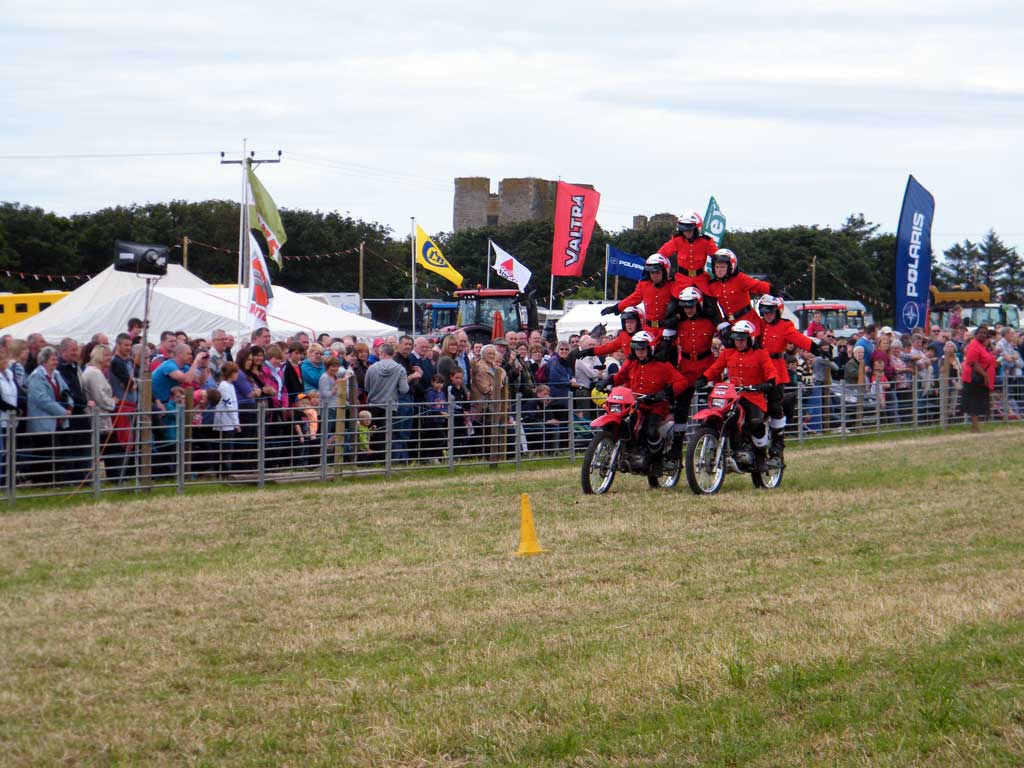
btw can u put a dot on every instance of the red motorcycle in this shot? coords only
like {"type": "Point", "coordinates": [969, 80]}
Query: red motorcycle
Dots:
{"type": "Point", "coordinates": [719, 444]}
{"type": "Point", "coordinates": [620, 445]}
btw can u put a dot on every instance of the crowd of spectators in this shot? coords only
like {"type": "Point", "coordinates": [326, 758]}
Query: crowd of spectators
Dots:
{"type": "Point", "coordinates": [434, 397]}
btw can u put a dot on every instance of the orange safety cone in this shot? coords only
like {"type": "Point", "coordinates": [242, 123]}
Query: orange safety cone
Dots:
{"type": "Point", "coordinates": [528, 544]}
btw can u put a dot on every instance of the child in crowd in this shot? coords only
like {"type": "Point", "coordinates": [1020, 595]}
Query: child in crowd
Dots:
{"type": "Point", "coordinates": [435, 426]}
{"type": "Point", "coordinates": [308, 425]}
{"type": "Point", "coordinates": [205, 448]}
{"type": "Point", "coordinates": [225, 419]}
{"type": "Point", "coordinates": [365, 431]}
{"type": "Point", "coordinates": [880, 386]}
{"type": "Point", "coordinates": [457, 399]}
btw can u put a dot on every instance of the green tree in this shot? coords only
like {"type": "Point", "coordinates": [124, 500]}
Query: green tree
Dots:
{"type": "Point", "coordinates": [959, 265]}
{"type": "Point", "coordinates": [993, 256]}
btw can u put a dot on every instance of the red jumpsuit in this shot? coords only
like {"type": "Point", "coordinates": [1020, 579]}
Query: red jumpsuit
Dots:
{"type": "Point", "coordinates": [649, 377]}
{"type": "Point", "coordinates": [734, 294]}
{"type": "Point", "coordinates": [746, 369]}
{"type": "Point", "coordinates": [694, 335]}
{"type": "Point", "coordinates": [620, 341]}
{"type": "Point", "coordinates": [655, 299]}
{"type": "Point", "coordinates": [691, 258]}
{"type": "Point", "coordinates": [774, 338]}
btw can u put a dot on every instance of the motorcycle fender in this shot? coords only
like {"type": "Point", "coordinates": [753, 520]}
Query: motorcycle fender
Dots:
{"type": "Point", "coordinates": [706, 414]}
{"type": "Point", "coordinates": [606, 421]}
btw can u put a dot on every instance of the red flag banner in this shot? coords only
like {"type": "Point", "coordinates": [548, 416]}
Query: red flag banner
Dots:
{"type": "Point", "coordinates": [575, 211]}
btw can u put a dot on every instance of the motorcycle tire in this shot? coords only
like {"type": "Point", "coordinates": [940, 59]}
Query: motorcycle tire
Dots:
{"type": "Point", "coordinates": [668, 477]}
{"type": "Point", "coordinates": [700, 450]}
{"type": "Point", "coordinates": [771, 479]}
{"type": "Point", "coordinates": [599, 464]}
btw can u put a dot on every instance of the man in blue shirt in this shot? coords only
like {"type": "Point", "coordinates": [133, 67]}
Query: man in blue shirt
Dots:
{"type": "Point", "coordinates": [173, 373]}
{"type": "Point", "coordinates": [867, 341]}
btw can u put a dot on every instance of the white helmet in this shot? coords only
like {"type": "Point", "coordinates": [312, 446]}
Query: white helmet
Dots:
{"type": "Point", "coordinates": [655, 262]}
{"type": "Point", "coordinates": [743, 329]}
{"type": "Point", "coordinates": [690, 296]}
{"type": "Point", "coordinates": [688, 220]}
{"type": "Point", "coordinates": [641, 340]}
{"type": "Point", "coordinates": [725, 256]}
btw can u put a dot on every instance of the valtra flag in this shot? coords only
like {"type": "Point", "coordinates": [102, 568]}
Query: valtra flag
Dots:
{"type": "Point", "coordinates": [260, 292]}
{"type": "Point", "coordinates": [914, 258]}
{"type": "Point", "coordinates": [506, 265]}
{"type": "Point", "coordinates": [575, 212]}
{"type": "Point", "coordinates": [429, 256]}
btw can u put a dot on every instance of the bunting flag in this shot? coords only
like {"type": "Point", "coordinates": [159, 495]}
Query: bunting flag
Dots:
{"type": "Point", "coordinates": [263, 216]}
{"type": "Point", "coordinates": [622, 264]}
{"type": "Point", "coordinates": [429, 256]}
{"type": "Point", "coordinates": [714, 221]}
{"type": "Point", "coordinates": [575, 212]}
{"type": "Point", "coordinates": [506, 265]}
{"type": "Point", "coordinates": [261, 295]}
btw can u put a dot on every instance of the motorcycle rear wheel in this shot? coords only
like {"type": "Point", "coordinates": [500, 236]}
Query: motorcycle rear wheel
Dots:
{"type": "Point", "coordinates": [703, 478]}
{"type": "Point", "coordinates": [598, 469]}
{"type": "Point", "coordinates": [668, 477]}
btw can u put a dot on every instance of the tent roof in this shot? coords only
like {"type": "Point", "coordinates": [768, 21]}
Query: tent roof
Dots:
{"type": "Point", "coordinates": [184, 302]}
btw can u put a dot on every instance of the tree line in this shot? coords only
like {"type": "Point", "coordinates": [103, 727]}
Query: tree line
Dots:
{"type": "Point", "coordinates": [855, 260]}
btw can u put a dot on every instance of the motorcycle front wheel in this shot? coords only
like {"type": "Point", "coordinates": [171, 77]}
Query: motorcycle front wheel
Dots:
{"type": "Point", "coordinates": [703, 473]}
{"type": "Point", "coordinates": [598, 469]}
{"type": "Point", "coordinates": [770, 479]}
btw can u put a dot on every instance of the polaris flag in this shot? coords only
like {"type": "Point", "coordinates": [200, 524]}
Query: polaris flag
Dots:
{"type": "Point", "coordinates": [914, 258]}
{"type": "Point", "coordinates": [625, 264]}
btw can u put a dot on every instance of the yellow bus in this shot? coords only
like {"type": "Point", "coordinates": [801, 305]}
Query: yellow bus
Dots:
{"type": "Point", "coordinates": [15, 307]}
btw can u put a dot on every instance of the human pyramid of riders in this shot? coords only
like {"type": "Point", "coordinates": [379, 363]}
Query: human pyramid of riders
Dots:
{"type": "Point", "coordinates": [668, 343]}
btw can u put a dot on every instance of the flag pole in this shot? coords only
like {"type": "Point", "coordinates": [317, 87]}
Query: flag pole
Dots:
{"type": "Point", "coordinates": [488, 262]}
{"type": "Point", "coordinates": [551, 293]}
{"type": "Point", "coordinates": [607, 250]}
{"type": "Point", "coordinates": [242, 215]}
{"type": "Point", "coordinates": [412, 252]}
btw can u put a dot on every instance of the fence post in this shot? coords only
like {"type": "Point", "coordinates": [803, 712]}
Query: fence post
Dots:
{"type": "Point", "coordinates": [450, 438]}
{"type": "Point", "coordinates": [261, 434]}
{"type": "Point", "coordinates": [843, 429]}
{"type": "Point", "coordinates": [11, 458]}
{"type": "Point", "coordinates": [518, 431]}
{"type": "Point", "coordinates": [324, 421]}
{"type": "Point", "coordinates": [1006, 397]}
{"type": "Point", "coordinates": [942, 399]}
{"type": "Point", "coordinates": [915, 400]}
{"type": "Point", "coordinates": [179, 446]}
{"type": "Point", "coordinates": [94, 426]}
{"type": "Point", "coordinates": [389, 431]}
{"type": "Point", "coordinates": [799, 410]}
{"type": "Point", "coordinates": [878, 406]}
{"type": "Point", "coordinates": [572, 433]}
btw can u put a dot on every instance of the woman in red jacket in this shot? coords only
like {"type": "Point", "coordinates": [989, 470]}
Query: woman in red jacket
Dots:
{"type": "Point", "coordinates": [979, 377]}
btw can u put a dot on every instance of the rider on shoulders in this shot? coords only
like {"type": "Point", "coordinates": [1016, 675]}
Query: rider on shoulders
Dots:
{"type": "Point", "coordinates": [691, 250]}
{"type": "Point", "coordinates": [655, 290]}
{"type": "Point", "coordinates": [748, 366]}
{"type": "Point", "coordinates": [647, 376]}
{"type": "Point", "coordinates": [632, 321]}
{"type": "Point", "coordinates": [734, 289]}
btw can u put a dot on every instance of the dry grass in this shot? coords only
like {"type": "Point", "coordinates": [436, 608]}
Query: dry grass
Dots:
{"type": "Point", "coordinates": [870, 612]}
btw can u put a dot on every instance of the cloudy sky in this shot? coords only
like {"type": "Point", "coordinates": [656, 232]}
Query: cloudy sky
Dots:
{"type": "Point", "coordinates": [788, 112]}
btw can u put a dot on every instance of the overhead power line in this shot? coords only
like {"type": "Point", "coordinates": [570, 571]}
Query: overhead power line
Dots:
{"type": "Point", "coordinates": [105, 156]}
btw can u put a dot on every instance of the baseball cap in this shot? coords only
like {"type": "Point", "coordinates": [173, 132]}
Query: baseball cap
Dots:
{"type": "Point", "coordinates": [502, 342]}
{"type": "Point", "coordinates": [886, 329]}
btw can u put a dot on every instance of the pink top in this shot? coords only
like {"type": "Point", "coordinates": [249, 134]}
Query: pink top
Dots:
{"type": "Point", "coordinates": [976, 353]}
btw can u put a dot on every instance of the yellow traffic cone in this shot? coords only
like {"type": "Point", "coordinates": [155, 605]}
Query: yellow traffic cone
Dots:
{"type": "Point", "coordinates": [528, 544]}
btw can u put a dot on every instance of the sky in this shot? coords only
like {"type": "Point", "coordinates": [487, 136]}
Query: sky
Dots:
{"type": "Point", "coordinates": [787, 112]}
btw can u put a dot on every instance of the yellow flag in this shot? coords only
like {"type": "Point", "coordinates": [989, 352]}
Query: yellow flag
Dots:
{"type": "Point", "coordinates": [429, 256]}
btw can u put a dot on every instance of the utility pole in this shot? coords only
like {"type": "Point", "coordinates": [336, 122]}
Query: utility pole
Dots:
{"type": "Point", "coordinates": [184, 252]}
{"type": "Point", "coordinates": [362, 254]}
{"type": "Point", "coordinates": [247, 162]}
{"type": "Point", "coordinates": [814, 272]}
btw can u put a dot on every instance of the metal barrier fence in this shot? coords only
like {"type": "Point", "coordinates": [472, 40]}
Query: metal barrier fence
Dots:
{"type": "Point", "coordinates": [89, 454]}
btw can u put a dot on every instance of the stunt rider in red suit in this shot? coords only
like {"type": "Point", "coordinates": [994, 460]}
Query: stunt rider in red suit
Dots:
{"type": "Point", "coordinates": [776, 333]}
{"type": "Point", "coordinates": [691, 250]}
{"type": "Point", "coordinates": [748, 366]}
{"type": "Point", "coordinates": [632, 321]}
{"type": "Point", "coordinates": [734, 289]}
{"type": "Point", "coordinates": [686, 341]}
{"type": "Point", "coordinates": [655, 290]}
{"type": "Point", "coordinates": [647, 376]}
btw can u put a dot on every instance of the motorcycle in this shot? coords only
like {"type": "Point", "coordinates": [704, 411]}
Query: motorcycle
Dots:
{"type": "Point", "coordinates": [719, 444]}
{"type": "Point", "coordinates": [620, 445]}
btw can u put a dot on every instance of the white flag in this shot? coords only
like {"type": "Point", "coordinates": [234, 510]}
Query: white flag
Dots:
{"type": "Point", "coordinates": [505, 264]}
{"type": "Point", "coordinates": [261, 295]}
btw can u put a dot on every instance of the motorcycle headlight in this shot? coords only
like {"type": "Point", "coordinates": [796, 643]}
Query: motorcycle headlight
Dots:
{"type": "Point", "coordinates": [718, 402]}
{"type": "Point", "coordinates": [615, 408]}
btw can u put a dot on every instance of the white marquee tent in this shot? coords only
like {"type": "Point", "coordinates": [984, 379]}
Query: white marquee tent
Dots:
{"type": "Point", "coordinates": [183, 302]}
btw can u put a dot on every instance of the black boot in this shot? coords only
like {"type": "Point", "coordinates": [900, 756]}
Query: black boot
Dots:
{"type": "Point", "coordinates": [778, 442]}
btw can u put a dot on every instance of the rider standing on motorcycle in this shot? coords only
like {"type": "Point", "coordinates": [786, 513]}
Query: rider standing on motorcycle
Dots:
{"type": "Point", "coordinates": [734, 289]}
{"type": "Point", "coordinates": [688, 332]}
{"type": "Point", "coordinates": [655, 290]}
{"type": "Point", "coordinates": [647, 376]}
{"type": "Point", "coordinates": [775, 335]}
{"type": "Point", "coordinates": [632, 321]}
{"type": "Point", "coordinates": [691, 250]}
{"type": "Point", "coordinates": [748, 366]}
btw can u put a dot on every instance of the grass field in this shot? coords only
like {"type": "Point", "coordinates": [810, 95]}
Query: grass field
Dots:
{"type": "Point", "coordinates": [870, 613]}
